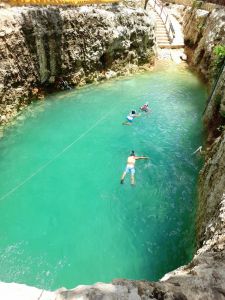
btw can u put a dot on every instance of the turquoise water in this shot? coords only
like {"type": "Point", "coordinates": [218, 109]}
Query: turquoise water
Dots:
{"type": "Point", "coordinates": [65, 219]}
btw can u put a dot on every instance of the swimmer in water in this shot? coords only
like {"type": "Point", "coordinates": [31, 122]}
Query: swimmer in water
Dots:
{"type": "Point", "coordinates": [130, 167]}
{"type": "Point", "coordinates": [145, 107]}
{"type": "Point", "coordinates": [129, 119]}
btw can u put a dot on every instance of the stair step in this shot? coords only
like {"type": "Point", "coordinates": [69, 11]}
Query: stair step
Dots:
{"type": "Point", "coordinates": [162, 35]}
{"type": "Point", "coordinates": [162, 38]}
{"type": "Point", "coordinates": [164, 44]}
{"type": "Point", "coordinates": [161, 31]}
{"type": "Point", "coordinates": [163, 41]}
{"type": "Point", "coordinates": [167, 46]}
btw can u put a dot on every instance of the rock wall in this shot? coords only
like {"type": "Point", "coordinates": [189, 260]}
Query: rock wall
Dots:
{"type": "Point", "coordinates": [41, 46]}
{"type": "Point", "coordinates": [211, 212]}
{"type": "Point", "coordinates": [214, 115]}
{"type": "Point", "coordinates": [203, 31]}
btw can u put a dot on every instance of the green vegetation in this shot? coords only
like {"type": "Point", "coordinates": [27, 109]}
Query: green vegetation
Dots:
{"type": "Point", "coordinates": [219, 59]}
{"type": "Point", "coordinates": [201, 26]}
{"type": "Point", "coordinates": [196, 4]}
{"type": "Point", "coordinates": [218, 99]}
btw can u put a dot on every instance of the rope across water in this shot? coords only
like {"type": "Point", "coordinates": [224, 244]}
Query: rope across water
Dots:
{"type": "Point", "coordinates": [41, 168]}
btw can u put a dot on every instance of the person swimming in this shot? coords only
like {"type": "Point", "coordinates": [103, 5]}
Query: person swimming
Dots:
{"type": "Point", "coordinates": [145, 107]}
{"type": "Point", "coordinates": [130, 167]}
{"type": "Point", "coordinates": [129, 119]}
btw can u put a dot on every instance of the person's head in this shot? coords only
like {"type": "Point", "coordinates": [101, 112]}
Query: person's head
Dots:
{"type": "Point", "coordinates": [146, 104]}
{"type": "Point", "coordinates": [133, 112]}
{"type": "Point", "coordinates": [132, 153]}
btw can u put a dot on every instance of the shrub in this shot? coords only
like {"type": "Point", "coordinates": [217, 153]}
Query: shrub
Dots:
{"type": "Point", "coordinates": [219, 52]}
{"type": "Point", "coordinates": [196, 4]}
{"type": "Point", "coordinates": [219, 59]}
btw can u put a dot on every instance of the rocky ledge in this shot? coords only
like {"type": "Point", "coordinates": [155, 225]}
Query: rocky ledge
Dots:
{"type": "Point", "coordinates": [43, 49]}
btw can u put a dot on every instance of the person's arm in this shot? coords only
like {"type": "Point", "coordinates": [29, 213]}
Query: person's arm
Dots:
{"type": "Point", "coordinates": [141, 157]}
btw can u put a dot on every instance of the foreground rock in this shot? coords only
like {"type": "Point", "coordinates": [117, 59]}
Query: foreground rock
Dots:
{"type": "Point", "coordinates": [204, 278]}
{"type": "Point", "coordinates": [49, 48]}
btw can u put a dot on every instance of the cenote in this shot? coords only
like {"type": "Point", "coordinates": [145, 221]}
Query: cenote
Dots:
{"type": "Point", "coordinates": [65, 219]}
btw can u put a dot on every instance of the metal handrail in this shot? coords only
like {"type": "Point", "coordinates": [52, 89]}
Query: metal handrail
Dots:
{"type": "Point", "coordinates": [162, 12]}
{"type": "Point", "coordinates": [214, 87]}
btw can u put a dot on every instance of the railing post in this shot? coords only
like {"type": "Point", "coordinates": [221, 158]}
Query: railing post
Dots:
{"type": "Point", "coordinates": [166, 18]}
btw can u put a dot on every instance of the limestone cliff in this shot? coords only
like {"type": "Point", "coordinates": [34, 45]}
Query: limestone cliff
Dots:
{"type": "Point", "coordinates": [41, 46]}
{"type": "Point", "coordinates": [203, 30]}
{"type": "Point", "coordinates": [214, 115]}
{"type": "Point", "coordinates": [211, 212]}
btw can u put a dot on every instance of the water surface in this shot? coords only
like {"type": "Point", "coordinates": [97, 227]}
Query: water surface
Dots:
{"type": "Point", "coordinates": [65, 219]}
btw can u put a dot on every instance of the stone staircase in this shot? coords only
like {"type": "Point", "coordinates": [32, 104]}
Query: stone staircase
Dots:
{"type": "Point", "coordinates": [168, 31]}
{"type": "Point", "coordinates": [166, 48]}
{"type": "Point", "coordinates": [161, 34]}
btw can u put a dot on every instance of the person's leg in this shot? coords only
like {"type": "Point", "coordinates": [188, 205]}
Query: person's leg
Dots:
{"type": "Point", "coordinates": [128, 121]}
{"type": "Point", "coordinates": [132, 179]}
{"type": "Point", "coordinates": [123, 176]}
{"type": "Point", "coordinates": [132, 176]}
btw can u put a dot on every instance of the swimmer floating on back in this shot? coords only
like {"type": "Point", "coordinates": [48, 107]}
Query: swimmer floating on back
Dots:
{"type": "Point", "coordinates": [130, 167]}
{"type": "Point", "coordinates": [129, 119]}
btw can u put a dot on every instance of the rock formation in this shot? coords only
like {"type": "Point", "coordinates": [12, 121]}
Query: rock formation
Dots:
{"type": "Point", "coordinates": [203, 31]}
{"type": "Point", "coordinates": [42, 47]}
{"type": "Point", "coordinates": [214, 115]}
